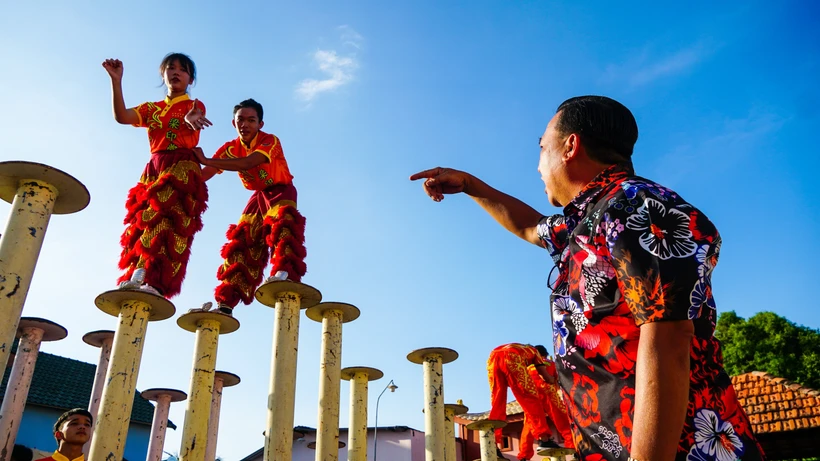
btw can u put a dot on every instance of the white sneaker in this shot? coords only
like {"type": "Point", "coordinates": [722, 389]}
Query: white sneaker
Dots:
{"type": "Point", "coordinates": [149, 289]}
{"type": "Point", "coordinates": [279, 276]}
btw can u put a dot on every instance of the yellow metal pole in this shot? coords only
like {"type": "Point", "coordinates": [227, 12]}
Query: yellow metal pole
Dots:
{"type": "Point", "coordinates": [33, 331]}
{"type": "Point", "coordinates": [104, 339]}
{"type": "Point", "coordinates": [357, 431]}
{"type": "Point", "coordinates": [450, 412]}
{"type": "Point", "coordinates": [35, 192]}
{"type": "Point", "coordinates": [222, 379]}
{"type": "Point", "coordinates": [208, 327]}
{"type": "Point", "coordinates": [134, 309]}
{"type": "Point", "coordinates": [432, 360]}
{"type": "Point", "coordinates": [332, 315]}
{"type": "Point", "coordinates": [287, 298]}
{"type": "Point", "coordinates": [486, 431]}
{"type": "Point", "coordinates": [159, 425]}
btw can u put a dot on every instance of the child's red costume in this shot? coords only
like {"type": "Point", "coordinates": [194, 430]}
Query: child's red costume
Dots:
{"type": "Point", "coordinates": [164, 210]}
{"type": "Point", "coordinates": [507, 367]}
{"type": "Point", "coordinates": [270, 226]}
{"type": "Point", "coordinates": [554, 408]}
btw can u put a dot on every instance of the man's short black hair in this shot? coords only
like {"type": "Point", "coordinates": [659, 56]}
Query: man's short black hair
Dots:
{"type": "Point", "coordinates": [21, 453]}
{"type": "Point", "coordinates": [542, 350]}
{"type": "Point", "coordinates": [64, 417]}
{"type": "Point", "coordinates": [249, 104]}
{"type": "Point", "coordinates": [608, 129]}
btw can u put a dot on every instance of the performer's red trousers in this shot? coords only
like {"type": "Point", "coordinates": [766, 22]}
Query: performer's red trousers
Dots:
{"type": "Point", "coordinates": [506, 368]}
{"type": "Point", "coordinates": [555, 410]}
{"type": "Point", "coordinates": [270, 228]}
{"type": "Point", "coordinates": [164, 211]}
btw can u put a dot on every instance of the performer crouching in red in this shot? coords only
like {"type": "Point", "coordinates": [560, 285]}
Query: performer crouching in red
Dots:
{"type": "Point", "coordinates": [164, 209]}
{"type": "Point", "coordinates": [270, 226]}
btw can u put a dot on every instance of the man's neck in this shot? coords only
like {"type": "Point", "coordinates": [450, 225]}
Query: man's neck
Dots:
{"type": "Point", "coordinates": [582, 177]}
{"type": "Point", "coordinates": [70, 451]}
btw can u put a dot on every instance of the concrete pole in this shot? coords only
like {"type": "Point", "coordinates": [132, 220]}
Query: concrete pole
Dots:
{"type": "Point", "coordinates": [32, 332]}
{"type": "Point", "coordinates": [486, 430]}
{"type": "Point", "coordinates": [287, 298]}
{"type": "Point", "coordinates": [450, 412]}
{"type": "Point", "coordinates": [208, 326]}
{"type": "Point", "coordinates": [104, 339]}
{"type": "Point", "coordinates": [432, 359]}
{"type": "Point", "coordinates": [332, 316]}
{"type": "Point", "coordinates": [163, 397]}
{"type": "Point", "coordinates": [134, 309]}
{"type": "Point", "coordinates": [357, 429]}
{"type": "Point", "coordinates": [222, 379]}
{"type": "Point", "coordinates": [35, 192]}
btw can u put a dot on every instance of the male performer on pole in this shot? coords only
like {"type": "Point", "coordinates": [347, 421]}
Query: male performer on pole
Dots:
{"type": "Point", "coordinates": [270, 225]}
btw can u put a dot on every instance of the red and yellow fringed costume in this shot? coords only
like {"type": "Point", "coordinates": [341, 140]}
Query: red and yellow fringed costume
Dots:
{"type": "Point", "coordinates": [270, 227]}
{"type": "Point", "coordinates": [164, 210]}
{"type": "Point", "coordinates": [554, 407]}
{"type": "Point", "coordinates": [507, 367]}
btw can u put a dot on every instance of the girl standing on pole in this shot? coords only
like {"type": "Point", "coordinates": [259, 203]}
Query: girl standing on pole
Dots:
{"type": "Point", "coordinates": [164, 209]}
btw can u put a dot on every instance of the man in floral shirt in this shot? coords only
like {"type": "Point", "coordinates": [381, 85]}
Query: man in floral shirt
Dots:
{"type": "Point", "coordinates": [632, 307]}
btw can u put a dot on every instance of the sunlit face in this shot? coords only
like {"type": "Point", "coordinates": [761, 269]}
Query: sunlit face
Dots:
{"type": "Point", "coordinates": [176, 78]}
{"type": "Point", "coordinates": [550, 164]}
{"type": "Point", "coordinates": [247, 123]}
{"type": "Point", "coordinates": [75, 430]}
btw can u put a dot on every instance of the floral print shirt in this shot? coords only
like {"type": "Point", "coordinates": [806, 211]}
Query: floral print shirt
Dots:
{"type": "Point", "coordinates": [629, 252]}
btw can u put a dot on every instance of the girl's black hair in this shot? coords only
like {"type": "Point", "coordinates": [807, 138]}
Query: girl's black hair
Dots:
{"type": "Point", "coordinates": [184, 60]}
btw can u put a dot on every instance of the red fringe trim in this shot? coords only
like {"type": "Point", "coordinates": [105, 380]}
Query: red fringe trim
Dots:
{"type": "Point", "coordinates": [241, 240]}
{"type": "Point", "coordinates": [192, 199]}
{"type": "Point", "coordinates": [288, 250]}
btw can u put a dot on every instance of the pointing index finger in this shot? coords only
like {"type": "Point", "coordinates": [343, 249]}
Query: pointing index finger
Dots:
{"type": "Point", "coordinates": [426, 174]}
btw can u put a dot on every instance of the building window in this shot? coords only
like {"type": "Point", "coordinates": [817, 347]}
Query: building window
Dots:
{"type": "Point", "coordinates": [506, 443]}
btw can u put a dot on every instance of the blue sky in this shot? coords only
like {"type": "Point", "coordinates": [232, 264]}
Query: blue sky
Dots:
{"type": "Point", "coordinates": [365, 94]}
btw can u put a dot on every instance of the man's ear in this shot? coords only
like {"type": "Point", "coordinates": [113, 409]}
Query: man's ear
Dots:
{"type": "Point", "coordinates": [261, 124]}
{"type": "Point", "coordinates": [572, 146]}
{"type": "Point", "coordinates": [59, 436]}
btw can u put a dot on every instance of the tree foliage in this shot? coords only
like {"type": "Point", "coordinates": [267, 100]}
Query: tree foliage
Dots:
{"type": "Point", "coordinates": [771, 343]}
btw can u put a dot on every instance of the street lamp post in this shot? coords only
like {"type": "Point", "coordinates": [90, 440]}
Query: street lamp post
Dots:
{"type": "Point", "coordinates": [392, 386]}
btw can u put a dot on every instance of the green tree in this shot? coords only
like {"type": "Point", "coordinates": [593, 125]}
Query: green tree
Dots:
{"type": "Point", "coordinates": [771, 343]}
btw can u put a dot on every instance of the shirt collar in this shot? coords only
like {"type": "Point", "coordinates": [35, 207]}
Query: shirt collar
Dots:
{"type": "Point", "coordinates": [171, 102]}
{"type": "Point", "coordinates": [57, 456]}
{"type": "Point", "coordinates": [594, 188]}
{"type": "Point", "coordinates": [252, 143]}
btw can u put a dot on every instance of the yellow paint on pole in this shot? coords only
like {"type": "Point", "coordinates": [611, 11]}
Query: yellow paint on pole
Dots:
{"type": "Point", "coordinates": [114, 416]}
{"type": "Point", "coordinates": [287, 298]}
{"type": "Point", "coordinates": [486, 430]}
{"type": "Point", "coordinates": [357, 442]}
{"type": "Point", "coordinates": [35, 192]}
{"type": "Point", "coordinates": [208, 327]}
{"type": "Point", "coordinates": [357, 431]}
{"type": "Point", "coordinates": [432, 360]}
{"type": "Point", "coordinates": [450, 412]}
{"type": "Point", "coordinates": [195, 429]}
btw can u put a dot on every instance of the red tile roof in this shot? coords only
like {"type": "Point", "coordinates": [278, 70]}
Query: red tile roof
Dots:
{"type": "Point", "coordinates": [776, 404]}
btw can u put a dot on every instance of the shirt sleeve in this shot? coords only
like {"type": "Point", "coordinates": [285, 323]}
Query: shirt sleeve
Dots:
{"type": "Point", "coordinates": [661, 251]}
{"type": "Point", "coordinates": [552, 230]}
{"type": "Point", "coordinates": [144, 113]}
{"type": "Point", "coordinates": [270, 147]}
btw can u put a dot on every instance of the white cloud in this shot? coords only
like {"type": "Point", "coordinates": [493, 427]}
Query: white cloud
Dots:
{"type": "Point", "coordinates": [645, 68]}
{"type": "Point", "coordinates": [339, 69]}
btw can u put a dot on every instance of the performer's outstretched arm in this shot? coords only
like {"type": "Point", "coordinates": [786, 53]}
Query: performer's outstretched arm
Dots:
{"type": "Point", "coordinates": [122, 114]}
{"type": "Point", "coordinates": [214, 165]}
{"type": "Point", "coordinates": [515, 215]}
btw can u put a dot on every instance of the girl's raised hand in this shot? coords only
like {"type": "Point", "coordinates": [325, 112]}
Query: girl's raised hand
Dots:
{"type": "Point", "coordinates": [114, 68]}
{"type": "Point", "coordinates": [195, 118]}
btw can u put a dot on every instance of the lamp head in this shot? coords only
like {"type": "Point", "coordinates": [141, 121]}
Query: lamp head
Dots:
{"type": "Point", "coordinates": [392, 387]}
